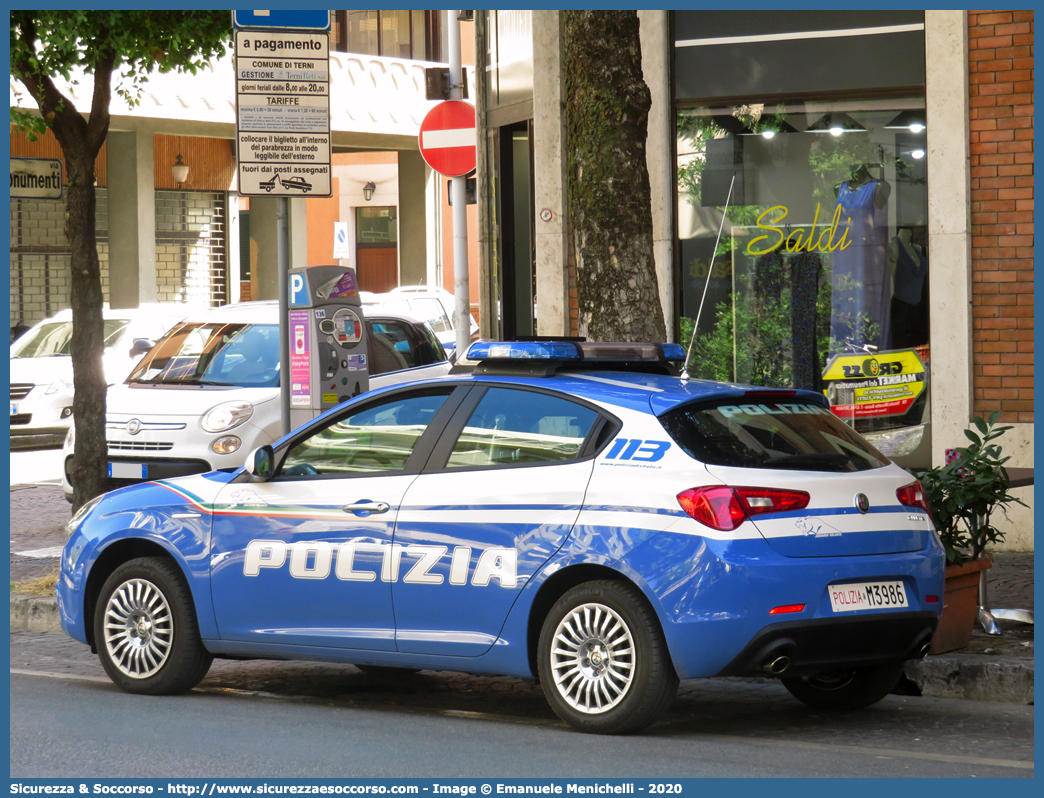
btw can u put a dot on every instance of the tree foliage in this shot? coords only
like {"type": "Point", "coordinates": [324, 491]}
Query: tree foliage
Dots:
{"type": "Point", "coordinates": [610, 206]}
{"type": "Point", "coordinates": [117, 50]}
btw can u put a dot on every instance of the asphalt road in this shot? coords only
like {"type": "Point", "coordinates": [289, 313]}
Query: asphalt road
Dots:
{"type": "Point", "coordinates": [276, 719]}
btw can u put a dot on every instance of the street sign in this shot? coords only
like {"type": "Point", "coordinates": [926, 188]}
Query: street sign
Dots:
{"type": "Point", "coordinates": [36, 178]}
{"type": "Point", "coordinates": [283, 20]}
{"type": "Point", "coordinates": [447, 138]}
{"type": "Point", "coordinates": [283, 113]}
{"type": "Point", "coordinates": [341, 249]}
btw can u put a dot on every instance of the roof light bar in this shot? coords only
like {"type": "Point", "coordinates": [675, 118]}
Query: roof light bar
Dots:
{"type": "Point", "coordinates": [575, 350]}
{"type": "Point", "coordinates": [524, 350]}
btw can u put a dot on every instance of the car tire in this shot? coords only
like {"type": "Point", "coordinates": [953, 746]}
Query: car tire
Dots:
{"type": "Point", "coordinates": [846, 689]}
{"type": "Point", "coordinates": [603, 662]}
{"type": "Point", "coordinates": [145, 629]}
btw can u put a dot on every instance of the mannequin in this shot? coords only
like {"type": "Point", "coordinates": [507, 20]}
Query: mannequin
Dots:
{"type": "Point", "coordinates": [861, 296]}
{"type": "Point", "coordinates": [860, 176]}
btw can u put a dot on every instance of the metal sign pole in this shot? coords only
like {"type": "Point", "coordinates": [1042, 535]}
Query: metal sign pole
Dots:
{"type": "Point", "coordinates": [461, 288]}
{"type": "Point", "coordinates": [283, 268]}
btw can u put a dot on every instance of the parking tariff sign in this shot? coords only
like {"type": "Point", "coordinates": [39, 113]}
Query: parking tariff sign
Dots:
{"type": "Point", "coordinates": [283, 113]}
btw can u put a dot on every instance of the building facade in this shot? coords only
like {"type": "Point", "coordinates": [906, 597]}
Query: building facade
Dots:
{"type": "Point", "coordinates": [198, 241]}
{"type": "Point", "coordinates": [842, 201]}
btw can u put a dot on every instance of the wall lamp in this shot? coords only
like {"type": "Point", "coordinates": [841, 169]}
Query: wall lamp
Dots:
{"type": "Point", "coordinates": [368, 190]}
{"type": "Point", "coordinates": [179, 170]}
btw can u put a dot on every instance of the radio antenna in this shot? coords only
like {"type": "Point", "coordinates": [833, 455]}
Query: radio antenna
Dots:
{"type": "Point", "coordinates": [706, 285]}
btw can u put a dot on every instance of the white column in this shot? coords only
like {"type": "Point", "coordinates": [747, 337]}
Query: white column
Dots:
{"type": "Point", "coordinates": [656, 54]}
{"type": "Point", "coordinates": [235, 268]}
{"type": "Point", "coordinates": [264, 277]}
{"type": "Point", "coordinates": [549, 199]}
{"type": "Point", "coordinates": [413, 224]}
{"type": "Point", "coordinates": [949, 227]}
{"type": "Point", "coordinates": [132, 219]}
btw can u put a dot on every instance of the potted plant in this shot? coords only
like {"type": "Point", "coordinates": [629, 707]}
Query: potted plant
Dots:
{"type": "Point", "coordinates": [963, 496]}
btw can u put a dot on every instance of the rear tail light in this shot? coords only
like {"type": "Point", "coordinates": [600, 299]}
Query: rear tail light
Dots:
{"type": "Point", "coordinates": [912, 495]}
{"type": "Point", "coordinates": [787, 608]}
{"type": "Point", "coordinates": [723, 508]}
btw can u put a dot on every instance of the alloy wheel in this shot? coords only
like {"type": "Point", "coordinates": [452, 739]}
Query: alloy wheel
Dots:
{"type": "Point", "coordinates": [593, 658]}
{"type": "Point", "coordinates": [139, 628]}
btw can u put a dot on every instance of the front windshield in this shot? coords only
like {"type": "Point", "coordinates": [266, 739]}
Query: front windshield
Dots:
{"type": "Point", "coordinates": [56, 338]}
{"type": "Point", "coordinates": [244, 355]}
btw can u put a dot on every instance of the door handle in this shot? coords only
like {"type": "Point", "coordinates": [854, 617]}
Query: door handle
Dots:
{"type": "Point", "coordinates": [365, 507]}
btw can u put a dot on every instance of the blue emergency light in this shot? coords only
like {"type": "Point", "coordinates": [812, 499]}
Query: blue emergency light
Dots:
{"type": "Point", "coordinates": [574, 351]}
{"type": "Point", "coordinates": [524, 350]}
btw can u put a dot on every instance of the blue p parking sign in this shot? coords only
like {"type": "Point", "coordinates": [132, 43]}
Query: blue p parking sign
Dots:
{"type": "Point", "coordinates": [298, 291]}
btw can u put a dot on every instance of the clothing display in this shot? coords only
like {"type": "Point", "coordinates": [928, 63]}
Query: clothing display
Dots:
{"type": "Point", "coordinates": [862, 281]}
{"type": "Point", "coordinates": [911, 266]}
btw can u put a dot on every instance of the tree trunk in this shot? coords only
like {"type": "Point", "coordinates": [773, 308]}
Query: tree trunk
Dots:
{"type": "Point", "coordinates": [90, 468]}
{"type": "Point", "coordinates": [610, 208]}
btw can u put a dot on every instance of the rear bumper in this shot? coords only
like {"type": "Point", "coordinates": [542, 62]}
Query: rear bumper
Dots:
{"type": "Point", "coordinates": [714, 599]}
{"type": "Point", "coordinates": [823, 644]}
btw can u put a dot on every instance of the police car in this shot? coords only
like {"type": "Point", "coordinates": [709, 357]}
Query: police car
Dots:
{"type": "Point", "coordinates": [572, 512]}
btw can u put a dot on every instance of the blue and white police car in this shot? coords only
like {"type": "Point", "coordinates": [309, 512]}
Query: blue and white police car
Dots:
{"type": "Point", "coordinates": [571, 512]}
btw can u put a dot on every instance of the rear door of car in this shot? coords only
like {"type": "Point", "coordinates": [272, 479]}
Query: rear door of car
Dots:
{"type": "Point", "coordinates": [501, 493]}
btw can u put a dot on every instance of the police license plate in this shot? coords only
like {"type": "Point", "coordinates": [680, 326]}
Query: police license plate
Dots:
{"type": "Point", "coordinates": [127, 470]}
{"type": "Point", "coordinates": [867, 596]}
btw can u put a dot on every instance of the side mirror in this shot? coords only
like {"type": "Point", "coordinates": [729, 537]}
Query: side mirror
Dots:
{"type": "Point", "coordinates": [141, 346]}
{"type": "Point", "coordinates": [261, 464]}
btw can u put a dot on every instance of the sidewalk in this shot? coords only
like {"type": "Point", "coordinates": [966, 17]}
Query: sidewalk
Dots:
{"type": "Point", "coordinates": [991, 668]}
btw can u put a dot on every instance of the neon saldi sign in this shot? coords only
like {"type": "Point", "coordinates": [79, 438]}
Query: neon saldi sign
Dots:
{"type": "Point", "coordinates": [796, 240]}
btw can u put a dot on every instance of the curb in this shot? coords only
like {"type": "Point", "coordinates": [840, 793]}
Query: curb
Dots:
{"type": "Point", "coordinates": [35, 613]}
{"type": "Point", "coordinates": [975, 677]}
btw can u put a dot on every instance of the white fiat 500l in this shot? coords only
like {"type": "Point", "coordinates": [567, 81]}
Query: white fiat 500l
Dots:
{"type": "Point", "coordinates": [42, 372]}
{"type": "Point", "coordinates": [184, 410]}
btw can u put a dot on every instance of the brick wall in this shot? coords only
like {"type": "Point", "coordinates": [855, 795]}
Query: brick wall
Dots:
{"type": "Point", "coordinates": [1001, 101]}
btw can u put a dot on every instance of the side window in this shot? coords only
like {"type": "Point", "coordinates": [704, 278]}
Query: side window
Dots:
{"type": "Point", "coordinates": [377, 440]}
{"type": "Point", "coordinates": [397, 345]}
{"type": "Point", "coordinates": [510, 427]}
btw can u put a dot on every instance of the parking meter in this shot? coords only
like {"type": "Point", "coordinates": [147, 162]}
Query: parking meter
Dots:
{"type": "Point", "coordinates": [328, 340]}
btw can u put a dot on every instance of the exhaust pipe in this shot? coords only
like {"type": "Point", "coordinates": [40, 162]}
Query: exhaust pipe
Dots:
{"type": "Point", "coordinates": [922, 652]}
{"type": "Point", "coordinates": [776, 665]}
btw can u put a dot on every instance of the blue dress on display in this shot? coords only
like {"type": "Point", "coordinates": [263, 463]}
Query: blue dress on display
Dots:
{"type": "Point", "coordinates": [861, 299]}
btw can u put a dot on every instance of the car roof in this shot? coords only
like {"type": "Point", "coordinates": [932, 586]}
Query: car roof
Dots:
{"type": "Point", "coordinates": [655, 393]}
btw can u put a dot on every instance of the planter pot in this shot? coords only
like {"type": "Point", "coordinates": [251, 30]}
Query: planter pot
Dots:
{"type": "Point", "coordinates": [960, 605]}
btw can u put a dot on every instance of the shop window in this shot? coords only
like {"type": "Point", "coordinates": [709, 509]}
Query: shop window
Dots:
{"type": "Point", "coordinates": [412, 35]}
{"type": "Point", "coordinates": [811, 221]}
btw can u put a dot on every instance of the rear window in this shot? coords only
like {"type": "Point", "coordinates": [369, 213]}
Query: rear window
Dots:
{"type": "Point", "coordinates": [791, 435]}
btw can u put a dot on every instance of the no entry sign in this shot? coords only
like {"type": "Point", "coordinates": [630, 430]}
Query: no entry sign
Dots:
{"type": "Point", "coordinates": [447, 138]}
